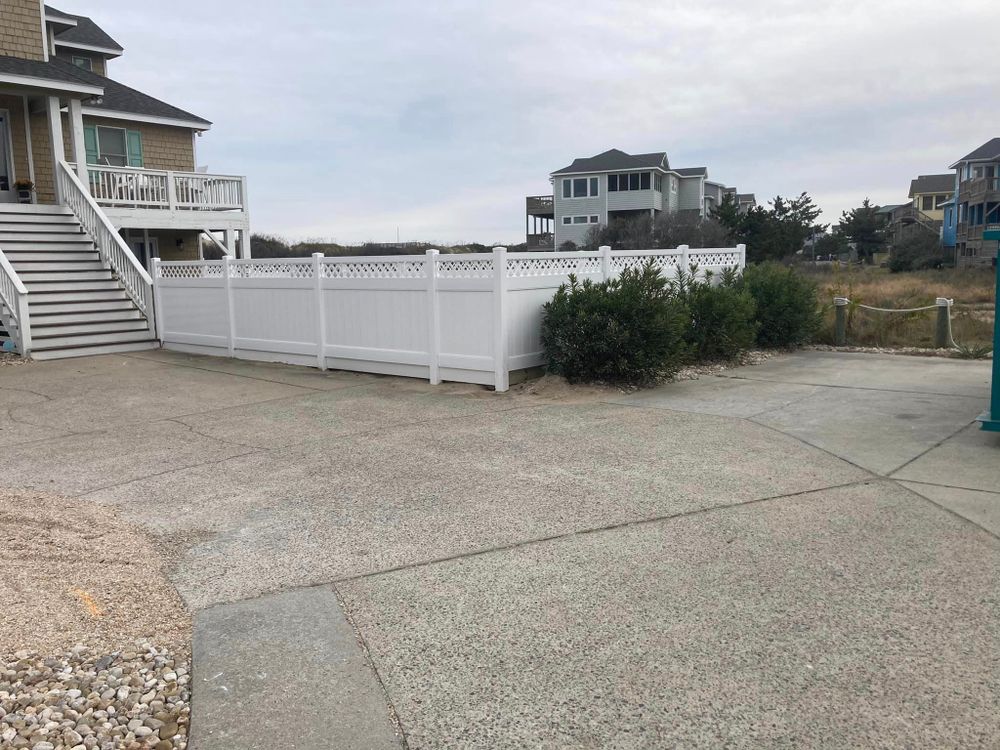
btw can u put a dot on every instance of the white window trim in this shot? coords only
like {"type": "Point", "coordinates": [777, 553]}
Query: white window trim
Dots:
{"type": "Point", "coordinates": [98, 129]}
{"type": "Point", "coordinates": [581, 197]}
{"type": "Point", "coordinates": [90, 62]}
{"type": "Point", "coordinates": [568, 221]}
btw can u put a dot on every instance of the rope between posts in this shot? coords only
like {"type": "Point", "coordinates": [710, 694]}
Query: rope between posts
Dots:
{"type": "Point", "coordinates": [898, 309]}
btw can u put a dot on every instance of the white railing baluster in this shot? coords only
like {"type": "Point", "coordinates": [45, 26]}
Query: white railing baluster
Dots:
{"type": "Point", "coordinates": [14, 312]}
{"type": "Point", "coordinates": [110, 245]}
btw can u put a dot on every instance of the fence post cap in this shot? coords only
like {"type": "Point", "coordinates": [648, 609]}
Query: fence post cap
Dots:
{"type": "Point", "coordinates": [499, 249]}
{"type": "Point", "coordinates": [841, 301]}
{"type": "Point", "coordinates": [432, 251]}
{"type": "Point", "coordinates": [944, 302]}
{"type": "Point", "coordinates": [605, 248]}
{"type": "Point", "coordinates": [319, 255]}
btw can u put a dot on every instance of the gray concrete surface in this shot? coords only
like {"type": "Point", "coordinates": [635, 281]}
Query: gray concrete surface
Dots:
{"type": "Point", "coordinates": [293, 653]}
{"type": "Point", "coordinates": [801, 553]}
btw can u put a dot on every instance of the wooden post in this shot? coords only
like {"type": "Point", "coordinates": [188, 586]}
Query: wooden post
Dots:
{"type": "Point", "coordinates": [840, 328]}
{"type": "Point", "coordinates": [942, 332]}
{"type": "Point", "coordinates": [433, 319]}
{"type": "Point", "coordinates": [320, 311]}
{"type": "Point", "coordinates": [501, 378]}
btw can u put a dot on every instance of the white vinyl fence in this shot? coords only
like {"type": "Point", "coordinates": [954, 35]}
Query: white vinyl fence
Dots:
{"type": "Point", "coordinates": [471, 318]}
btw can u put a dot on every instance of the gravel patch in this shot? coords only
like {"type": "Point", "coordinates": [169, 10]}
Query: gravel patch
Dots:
{"type": "Point", "coordinates": [8, 359]}
{"type": "Point", "coordinates": [94, 640]}
{"type": "Point", "coordinates": [908, 351]}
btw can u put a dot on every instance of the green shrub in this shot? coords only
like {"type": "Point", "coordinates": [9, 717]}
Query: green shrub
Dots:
{"type": "Point", "coordinates": [788, 309]}
{"type": "Point", "coordinates": [722, 319]}
{"type": "Point", "coordinates": [918, 253]}
{"type": "Point", "coordinates": [626, 330]}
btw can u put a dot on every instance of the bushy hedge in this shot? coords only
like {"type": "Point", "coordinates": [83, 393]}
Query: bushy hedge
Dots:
{"type": "Point", "coordinates": [722, 319]}
{"type": "Point", "coordinates": [640, 328]}
{"type": "Point", "coordinates": [626, 330]}
{"type": "Point", "coordinates": [788, 311]}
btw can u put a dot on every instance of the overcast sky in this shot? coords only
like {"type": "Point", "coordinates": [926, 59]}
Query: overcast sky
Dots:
{"type": "Point", "coordinates": [354, 118]}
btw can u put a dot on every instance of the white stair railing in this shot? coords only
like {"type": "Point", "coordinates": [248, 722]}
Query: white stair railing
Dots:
{"type": "Point", "coordinates": [14, 310]}
{"type": "Point", "coordinates": [110, 245]}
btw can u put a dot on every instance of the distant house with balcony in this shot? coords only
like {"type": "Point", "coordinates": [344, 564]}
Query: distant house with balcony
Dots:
{"type": "Point", "coordinates": [96, 179]}
{"type": "Point", "coordinates": [977, 205]}
{"type": "Point", "coordinates": [612, 185]}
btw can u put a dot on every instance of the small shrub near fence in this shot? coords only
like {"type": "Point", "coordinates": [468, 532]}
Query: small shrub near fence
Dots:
{"type": "Point", "coordinates": [788, 308]}
{"type": "Point", "coordinates": [626, 330]}
{"type": "Point", "coordinates": [722, 319]}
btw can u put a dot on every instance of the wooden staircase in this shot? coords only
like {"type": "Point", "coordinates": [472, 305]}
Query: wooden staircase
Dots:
{"type": "Point", "coordinates": [76, 306]}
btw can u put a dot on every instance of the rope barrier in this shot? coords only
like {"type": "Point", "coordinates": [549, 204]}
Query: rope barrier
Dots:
{"type": "Point", "coordinates": [898, 309]}
{"type": "Point", "coordinates": [943, 336]}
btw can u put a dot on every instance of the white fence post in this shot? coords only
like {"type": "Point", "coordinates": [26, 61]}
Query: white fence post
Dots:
{"type": "Point", "coordinates": [684, 262]}
{"type": "Point", "coordinates": [605, 251]}
{"type": "Point", "coordinates": [320, 311]}
{"type": "Point", "coordinates": [501, 381]}
{"type": "Point", "coordinates": [742, 250]}
{"type": "Point", "coordinates": [157, 302]}
{"type": "Point", "coordinates": [227, 278]}
{"type": "Point", "coordinates": [433, 319]}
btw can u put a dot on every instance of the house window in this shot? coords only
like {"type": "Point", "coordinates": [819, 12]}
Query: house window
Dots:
{"type": "Point", "coordinates": [612, 183]}
{"type": "Point", "coordinates": [84, 62]}
{"type": "Point", "coordinates": [644, 181]}
{"type": "Point", "coordinates": [658, 183]}
{"type": "Point", "coordinates": [567, 220]}
{"type": "Point", "coordinates": [113, 147]}
{"type": "Point", "coordinates": [673, 185]}
{"type": "Point", "coordinates": [592, 219]}
{"type": "Point", "coordinates": [581, 187]}
{"type": "Point", "coordinates": [940, 200]}
{"type": "Point", "coordinates": [927, 203]}
{"type": "Point", "coordinates": [579, 219]}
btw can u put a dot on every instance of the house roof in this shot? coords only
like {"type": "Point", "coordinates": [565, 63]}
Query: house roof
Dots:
{"type": "Point", "coordinates": [614, 159]}
{"type": "Point", "coordinates": [890, 208]}
{"type": "Point", "coordinates": [692, 171]}
{"type": "Point", "coordinates": [44, 75]}
{"type": "Point", "coordinates": [933, 183]}
{"type": "Point", "coordinates": [746, 197]}
{"type": "Point", "coordinates": [85, 33]}
{"type": "Point", "coordinates": [118, 97]}
{"type": "Point", "coordinates": [987, 152]}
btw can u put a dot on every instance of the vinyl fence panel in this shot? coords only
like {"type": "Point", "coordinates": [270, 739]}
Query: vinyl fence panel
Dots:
{"type": "Point", "coordinates": [471, 318]}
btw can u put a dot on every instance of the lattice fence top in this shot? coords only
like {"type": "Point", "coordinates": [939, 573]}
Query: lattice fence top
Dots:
{"type": "Point", "coordinates": [376, 269]}
{"type": "Point", "coordinates": [190, 270]}
{"type": "Point", "coordinates": [663, 262]}
{"type": "Point", "coordinates": [555, 266]}
{"type": "Point", "coordinates": [715, 258]}
{"type": "Point", "coordinates": [475, 268]}
{"type": "Point", "coordinates": [262, 269]}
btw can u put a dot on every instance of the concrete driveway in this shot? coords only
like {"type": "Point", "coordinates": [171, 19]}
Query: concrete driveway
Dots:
{"type": "Point", "coordinates": [798, 554]}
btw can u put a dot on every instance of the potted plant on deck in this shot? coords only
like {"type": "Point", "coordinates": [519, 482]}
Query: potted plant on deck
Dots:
{"type": "Point", "coordinates": [24, 190]}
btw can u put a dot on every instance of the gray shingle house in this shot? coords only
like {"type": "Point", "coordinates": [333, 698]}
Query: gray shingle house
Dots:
{"type": "Point", "coordinates": [615, 185]}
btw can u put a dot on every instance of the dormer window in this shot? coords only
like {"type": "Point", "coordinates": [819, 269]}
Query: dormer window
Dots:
{"type": "Point", "coordinates": [83, 62]}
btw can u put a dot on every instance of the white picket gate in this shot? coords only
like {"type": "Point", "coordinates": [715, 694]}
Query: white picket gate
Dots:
{"type": "Point", "coordinates": [470, 318]}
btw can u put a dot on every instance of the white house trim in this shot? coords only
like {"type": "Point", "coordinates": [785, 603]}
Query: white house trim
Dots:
{"type": "Point", "coordinates": [48, 84]}
{"type": "Point", "coordinates": [89, 48]}
{"type": "Point", "coordinates": [613, 171]}
{"type": "Point", "coordinates": [45, 31]}
{"type": "Point", "coordinates": [61, 20]}
{"type": "Point", "coordinates": [116, 115]}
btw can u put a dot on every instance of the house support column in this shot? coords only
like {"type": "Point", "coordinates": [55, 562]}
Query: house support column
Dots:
{"type": "Point", "coordinates": [56, 139]}
{"type": "Point", "coordinates": [77, 144]}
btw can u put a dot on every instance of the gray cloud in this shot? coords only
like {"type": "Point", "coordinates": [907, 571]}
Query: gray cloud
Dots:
{"type": "Point", "coordinates": [351, 119]}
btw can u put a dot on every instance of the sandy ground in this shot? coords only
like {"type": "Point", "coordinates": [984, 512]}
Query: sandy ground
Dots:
{"type": "Point", "coordinates": [74, 573]}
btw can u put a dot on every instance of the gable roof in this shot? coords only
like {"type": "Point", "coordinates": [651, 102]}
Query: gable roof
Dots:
{"type": "Point", "coordinates": [987, 152]}
{"type": "Point", "coordinates": [613, 159]}
{"type": "Point", "coordinates": [86, 33]}
{"type": "Point", "coordinates": [933, 183]}
{"type": "Point", "coordinates": [692, 171]}
{"type": "Point", "coordinates": [44, 75]}
{"type": "Point", "coordinates": [118, 97]}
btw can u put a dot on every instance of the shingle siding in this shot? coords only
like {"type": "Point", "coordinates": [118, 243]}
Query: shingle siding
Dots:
{"type": "Point", "coordinates": [21, 29]}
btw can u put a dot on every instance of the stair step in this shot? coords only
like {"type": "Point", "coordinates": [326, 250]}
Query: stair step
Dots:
{"type": "Point", "coordinates": [13, 209]}
{"type": "Point", "coordinates": [95, 349]}
{"type": "Point", "coordinates": [51, 256]}
{"type": "Point", "coordinates": [27, 218]}
{"type": "Point", "coordinates": [42, 248]}
{"type": "Point", "coordinates": [42, 332]}
{"type": "Point", "coordinates": [64, 295]}
{"type": "Point", "coordinates": [9, 236]}
{"type": "Point", "coordinates": [67, 275]}
{"type": "Point", "coordinates": [82, 306]}
{"type": "Point", "coordinates": [44, 343]}
{"type": "Point", "coordinates": [47, 266]}
{"type": "Point", "coordinates": [90, 285]}
{"type": "Point", "coordinates": [44, 318]}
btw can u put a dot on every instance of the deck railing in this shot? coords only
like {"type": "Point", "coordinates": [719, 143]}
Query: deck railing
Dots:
{"type": "Point", "coordinates": [109, 243]}
{"type": "Point", "coordinates": [130, 187]}
{"type": "Point", "coordinates": [14, 310]}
